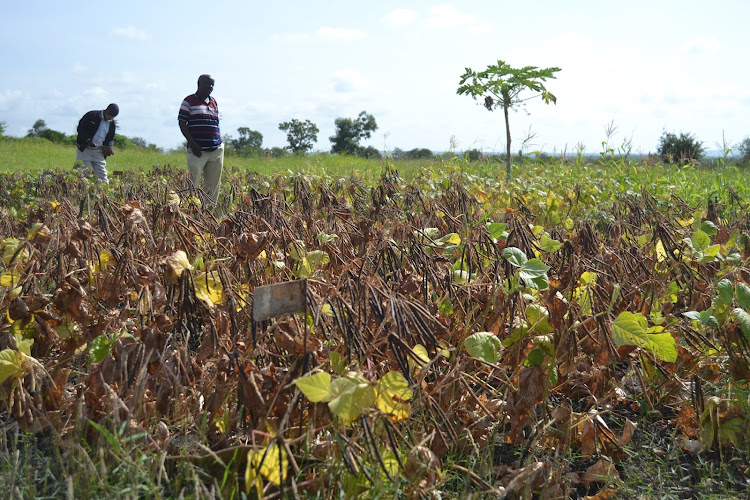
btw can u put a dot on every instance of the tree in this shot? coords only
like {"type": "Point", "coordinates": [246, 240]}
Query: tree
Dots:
{"type": "Point", "coordinates": [500, 86]}
{"type": "Point", "coordinates": [680, 149]}
{"type": "Point", "coordinates": [744, 149]}
{"type": "Point", "coordinates": [301, 135]}
{"type": "Point", "coordinates": [349, 132]}
{"type": "Point", "coordinates": [38, 129]}
{"type": "Point", "coordinates": [3, 125]}
{"type": "Point", "coordinates": [369, 152]}
{"type": "Point", "coordinates": [418, 153]}
{"type": "Point", "coordinates": [249, 143]}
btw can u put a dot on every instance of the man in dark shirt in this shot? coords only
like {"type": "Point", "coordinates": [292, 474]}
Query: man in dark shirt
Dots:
{"type": "Point", "coordinates": [96, 136]}
{"type": "Point", "coordinates": [199, 123]}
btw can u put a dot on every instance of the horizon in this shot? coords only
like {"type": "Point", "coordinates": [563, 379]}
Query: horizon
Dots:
{"type": "Point", "coordinates": [399, 62]}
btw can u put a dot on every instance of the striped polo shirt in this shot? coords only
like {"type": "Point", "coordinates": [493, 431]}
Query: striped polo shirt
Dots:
{"type": "Point", "coordinates": [202, 118]}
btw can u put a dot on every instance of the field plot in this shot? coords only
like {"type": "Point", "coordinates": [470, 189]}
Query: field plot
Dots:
{"type": "Point", "coordinates": [579, 331]}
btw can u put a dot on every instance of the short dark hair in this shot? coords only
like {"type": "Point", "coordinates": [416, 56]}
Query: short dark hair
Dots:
{"type": "Point", "coordinates": [113, 109]}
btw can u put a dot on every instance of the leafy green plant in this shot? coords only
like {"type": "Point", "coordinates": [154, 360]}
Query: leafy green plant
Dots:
{"type": "Point", "coordinates": [501, 85]}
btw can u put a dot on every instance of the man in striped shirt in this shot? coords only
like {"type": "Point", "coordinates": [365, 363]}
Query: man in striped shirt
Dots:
{"type": "Point", "coordinates": [199, 123]}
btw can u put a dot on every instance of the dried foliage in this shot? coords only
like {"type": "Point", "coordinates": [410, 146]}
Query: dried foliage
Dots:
{"type": "Point", "coordinates": [450, 334]}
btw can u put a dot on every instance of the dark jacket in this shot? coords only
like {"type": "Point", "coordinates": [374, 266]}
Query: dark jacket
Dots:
{"type": "Point", "coordinates": [88, 126]}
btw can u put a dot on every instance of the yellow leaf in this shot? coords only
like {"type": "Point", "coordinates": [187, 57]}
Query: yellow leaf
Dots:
{"type": "Point", "coordinates": [40, 231]}
{"type": "Point", "coordinates": [661, 254]}
{"type": "Point", "coordinates": [26, 329]}
{"type": "Point", "coordinates": [208, 288]}
{"type": "Point", "coordinates": [105, 261]}
{"type": "Point", "coordinates": [421, 353]}
{"type": "Point", "coordinates": [12, 246]}
{"type": "Point", "coordinates": [13, 364]}
{"type": "Point", "coordinates": [392, 396]}
{"type": "Point", "coordinates": [9, 278]}
{"type": "Point", "coordinates": [271, 463]}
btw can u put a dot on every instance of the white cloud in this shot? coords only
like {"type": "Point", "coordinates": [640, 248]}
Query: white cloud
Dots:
{"type": "Point", "coordinates": [340, 33]}
{"type": "Point", "coordinates": [79, 68]}
{"type": "Point", "coordinates": [447, 16]}
{"type": "Point", "coordinates": [400, 17]}
{"type": "Point", "coordinates": [96, 92]}
{"type": "Point", "coordinates": [8, 97]}
{"type": "Point", "coordinates": [481, 28]}
{"type": "Point", "coordinates": [700, 44]}
{"type": "Point", "coordinates": [290, 37]}
{"type": "Point", "coordinates": [130, 32]}
{"type": "Point", "coordinates": [348, 80]}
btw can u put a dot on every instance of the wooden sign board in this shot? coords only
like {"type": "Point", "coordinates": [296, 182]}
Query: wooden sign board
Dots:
{"type": "Point", "coordinates": [272, 301]}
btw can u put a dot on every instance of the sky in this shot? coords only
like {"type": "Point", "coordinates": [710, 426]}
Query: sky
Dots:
{"type": "Point", "coordinates": [628, 69]}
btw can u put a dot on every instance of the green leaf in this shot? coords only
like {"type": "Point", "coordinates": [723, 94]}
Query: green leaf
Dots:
{"type": "Point", "coordinates": [351, 395]}
{"type": "Point", "coordinates": [99, 348]}
{"type": "Point", "coordinates": [534, 274]}
{"type": "Point", "coordinates": [538, 318]}
{"type": "Point", "coordinates": [297, 250]}
{"type": "Point", "coordinates": [11, 364]}
{"type": "Point", "coordinates": [24, 345]}
{"type": "Point", "coordinates": [318, 258]}
{"type": "Point", "coordinates": [460, 276]}
{"type": "Point", "coordinates": [315, 387]}
{"type": "Point", "coordinates": [705, 317]}
{"type": "Point", "coordinates": [743, 318]}
{"type": "Point", "coordinates": [324, 238]}
{"type": "Point", "coordinates": [114, 443]}
{"type": "Point", "coordinates": [743, 296]}
{"type": "Point", "coordinates": [700, 240]}
{"type": "Point", "coordinates": [497, 231]}
{"type": "Point", "coordinates": [630, 329]}
{"type": "Point", "coordinates": [549, 245]}
{"type": "Point", "coordinates": [338, 362]}
{"type": "Point", "coordinates": [535, 358]}
{"type": "Point", "coordinates": [515, 256]}
{"type": "Point", "coordinates": [483, 345]}
{"type": "Point", "coordinates": [709, 227]}
{"type": "Point", "coordinates": [725, 289]}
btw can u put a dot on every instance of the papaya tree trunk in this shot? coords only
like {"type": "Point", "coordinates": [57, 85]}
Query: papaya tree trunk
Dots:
{"type": "Point", "coordinates": [506, 105]}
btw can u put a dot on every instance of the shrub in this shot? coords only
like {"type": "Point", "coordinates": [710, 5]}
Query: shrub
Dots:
{"type": "Point", "coordinates": [679, 149]}
{"type": "Point", "coordinates": [744, 149]}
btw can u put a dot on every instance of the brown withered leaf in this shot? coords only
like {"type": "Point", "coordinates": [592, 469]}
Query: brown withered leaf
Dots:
{"type": "Point", "coordinates": [526, 480]}
{"type": "Point", "coordinates": [557, 308]}
{"type": "Point", "coordinates": [250, 245]}
{"type": "Point", "coordinates": [687, 422]}
{"type": "Point", "coordinates": [531, 384]}
{"type": "Point", "coordinates": [602, 472]}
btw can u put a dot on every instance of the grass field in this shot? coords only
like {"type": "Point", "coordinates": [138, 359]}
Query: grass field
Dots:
{"type": "Point", "coordinates": [39, 154]}
{"type": "Point", "coordinates": [580, 330]}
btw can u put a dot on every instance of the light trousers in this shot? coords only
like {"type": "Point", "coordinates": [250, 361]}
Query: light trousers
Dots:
{"type": "Point", "coordinates": [208, 167]}
{"type": "Point", "coordinates": [93, 158]}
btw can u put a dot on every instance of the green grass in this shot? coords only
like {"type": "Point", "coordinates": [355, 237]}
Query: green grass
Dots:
{"type": "Point", "coordinates": [32, 155]}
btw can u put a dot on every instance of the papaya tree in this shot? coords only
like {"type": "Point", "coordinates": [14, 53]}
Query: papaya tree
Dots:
{"type": "Point", "coordinates": [500, 86]}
